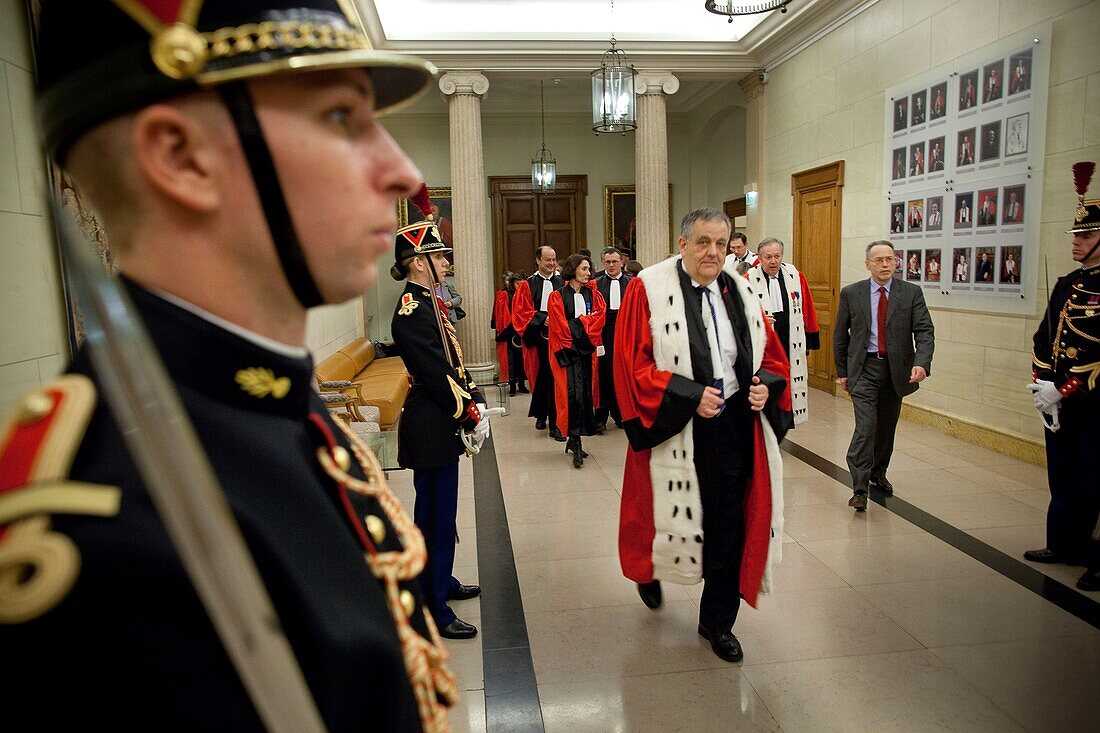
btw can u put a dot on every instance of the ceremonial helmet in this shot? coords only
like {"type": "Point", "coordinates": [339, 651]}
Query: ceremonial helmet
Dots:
{"type": "Point", "coordinates": [1087, 216]}
{"type": "Point", "coordinates": [418, 238]}
{"type": "Point", "coordinates": [98, 59]}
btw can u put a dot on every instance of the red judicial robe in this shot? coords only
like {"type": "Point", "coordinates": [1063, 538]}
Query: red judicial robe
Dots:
{"type": "Point", "coordinates": [568, 335]}
{"type": "Point", "coordinates": [523, 310]}
{"type": "Point", "coordinates": [502, 324]}
{"type": "Point", "coordinates": [660, 522]}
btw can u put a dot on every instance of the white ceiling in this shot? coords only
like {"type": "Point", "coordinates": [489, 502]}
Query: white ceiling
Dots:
{"type": "Point", "coordinates": [557, 20]}
{"type": "Point", "coordinates": [517, 42]}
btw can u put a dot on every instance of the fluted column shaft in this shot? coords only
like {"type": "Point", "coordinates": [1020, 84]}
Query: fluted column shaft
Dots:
{"type": "Point", "coordinates": [754, 153]}
{"type": "Point", "coordinates": [651, 165]}
{"type": "Point", "coordinates": [469, 214]}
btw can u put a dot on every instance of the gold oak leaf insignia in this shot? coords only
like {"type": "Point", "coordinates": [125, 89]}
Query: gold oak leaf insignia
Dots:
{"type": "Point", "coordinates": [261, 382]}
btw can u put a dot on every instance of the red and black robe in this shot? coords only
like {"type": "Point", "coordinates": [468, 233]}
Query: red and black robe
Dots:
{"type": "Point", "coordinates": [575, 337]}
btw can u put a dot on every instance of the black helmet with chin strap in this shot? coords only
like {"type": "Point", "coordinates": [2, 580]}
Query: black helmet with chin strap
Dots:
{"type": "Point", "coordinates": [98, 58]}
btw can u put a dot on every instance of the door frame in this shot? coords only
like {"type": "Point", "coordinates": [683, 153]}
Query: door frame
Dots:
{"type": "Point", "coordinates": [830, 175]}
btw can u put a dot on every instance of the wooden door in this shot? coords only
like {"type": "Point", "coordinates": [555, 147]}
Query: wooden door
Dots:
{"type": "Point", "coordinates": [817, 212]}
{"type": "Point", "coordinates": [523, 220]}
{"type": "Point", "coordinates": [734, 208]}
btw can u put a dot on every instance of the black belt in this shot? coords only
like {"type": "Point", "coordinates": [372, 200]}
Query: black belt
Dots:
{"type": "Point", "coordinates": [876, 355]}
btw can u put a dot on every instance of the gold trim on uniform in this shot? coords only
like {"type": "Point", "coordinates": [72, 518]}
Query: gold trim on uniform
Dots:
{"type": "Point", "coordinates": [261, 382]}
{"type": "Point", "coordinates": [34, 407]}
{"type": "Point", "coordinates": [461, 396]}
{"type": "Point", "coordinates": [38, 567]}
{"type": "Point", "coordinates": [60, 497]}
{"type": "Point", "coordinates": [376, 527]}
{"type": "Point", "coordinates": [408, 304]}
{"type": "Point", "coordinates": [425, 657]}
{"type": "Point", "coordinates": [1092, 370]}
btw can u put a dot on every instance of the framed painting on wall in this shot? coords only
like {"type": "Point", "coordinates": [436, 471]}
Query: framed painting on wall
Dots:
{"type": "Point", "coordinates": [620, 226]}
{"type": "Point", "coordinates": [407, 213]}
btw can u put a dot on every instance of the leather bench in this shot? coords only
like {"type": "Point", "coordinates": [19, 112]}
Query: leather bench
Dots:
{"type": "Point", "coordinates": [357, 372]}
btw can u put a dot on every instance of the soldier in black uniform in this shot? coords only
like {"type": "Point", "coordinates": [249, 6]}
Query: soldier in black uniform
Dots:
{"type": "Point", "coordinates": [1066, 369]}
{"type": "Point", "coordinates": [442, 402]}
{"type": "Point", "coordinates": [237, 194]}
{"type": "Point", "coordinates": [612, 284]}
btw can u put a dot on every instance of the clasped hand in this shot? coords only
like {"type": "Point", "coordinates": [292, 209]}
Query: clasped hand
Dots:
{"type": "Point", "coordinates": [711, 403]}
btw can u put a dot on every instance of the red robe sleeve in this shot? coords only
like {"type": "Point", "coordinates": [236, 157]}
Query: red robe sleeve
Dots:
{"type": "Point", "coordinates": [523, 310]}
{"type": "Point", "coordinates": [593, 325]}
{"type": "Point", "coordinates": [809, 316]}
{"type": "Point", "coordinates": [502, 324]}
{"type": "Point", "coordinates": [560, 338]}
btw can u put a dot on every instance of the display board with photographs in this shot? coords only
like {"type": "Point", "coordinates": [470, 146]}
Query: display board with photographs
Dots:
{"type": "Point", "coordinates": [963, 160]}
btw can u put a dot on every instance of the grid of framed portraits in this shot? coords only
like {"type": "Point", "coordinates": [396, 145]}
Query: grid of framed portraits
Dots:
{"type": "Point", "coordinates": [961, 150]}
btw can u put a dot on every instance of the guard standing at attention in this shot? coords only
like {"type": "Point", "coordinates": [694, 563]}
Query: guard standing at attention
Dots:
{"type": "Point", "coordinates": [233, 153]}
{"type": "Point", "coordinates": [1066, 372]}
{"type": "Point", "coordinates": [442, 402]}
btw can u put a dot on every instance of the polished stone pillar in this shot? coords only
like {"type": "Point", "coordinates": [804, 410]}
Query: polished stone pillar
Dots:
{"type": "Point", "coordinates": [754, 154]}
{"type": "Point", "coordinates": [651, 165]}
{"type": "Point", "coordinates": [470, 216]}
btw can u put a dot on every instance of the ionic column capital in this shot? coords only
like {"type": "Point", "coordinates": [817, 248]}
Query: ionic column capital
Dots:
{"type": "Point", "coordinates": [463, 82]}
{"type": "Point", "coordinates": [656, 82]}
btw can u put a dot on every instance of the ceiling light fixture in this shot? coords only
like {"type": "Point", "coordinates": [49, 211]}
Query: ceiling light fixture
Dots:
{"type": "Point", "coordinates": [544, 168]}
{"type": "Point", "coordinates": [730, 8]}
{"type": "Point", "coordinates": [613, 107]}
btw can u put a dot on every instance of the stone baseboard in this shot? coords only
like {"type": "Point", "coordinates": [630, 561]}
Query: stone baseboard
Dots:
{"type": "Point", "coordinates": [1019, 448]}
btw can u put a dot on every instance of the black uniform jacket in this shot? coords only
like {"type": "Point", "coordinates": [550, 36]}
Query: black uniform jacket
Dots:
{"type": "Point", "coordinates": [440, 399]}
{"type": "Point", "coordinates": [1067, 343]}
{"type": "Point", "coordinates": [131, 646]}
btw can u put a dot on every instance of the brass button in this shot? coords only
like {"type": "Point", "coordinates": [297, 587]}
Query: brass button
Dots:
{"type": "Point", "coordinates": [376, 527]}
{"type": "Point", "coordinates": [1071, 352]}
{"type": "Point", "coordinates": [34, 407]}
{"type": "Point", "coordinates": [343, 459]}
{"type": "Point", "coordinates": [408, 602]}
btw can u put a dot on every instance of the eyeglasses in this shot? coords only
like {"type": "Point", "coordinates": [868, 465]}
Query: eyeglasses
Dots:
{"type": "Point", "coordinates": [881, 260]}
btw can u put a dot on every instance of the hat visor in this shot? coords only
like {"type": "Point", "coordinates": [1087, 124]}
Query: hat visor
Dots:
{"type": "Point", "coordinates": [399, 79]}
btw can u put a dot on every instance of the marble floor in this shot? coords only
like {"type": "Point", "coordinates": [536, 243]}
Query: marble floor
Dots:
{"type": "Point", "coordinates": [875, 623]}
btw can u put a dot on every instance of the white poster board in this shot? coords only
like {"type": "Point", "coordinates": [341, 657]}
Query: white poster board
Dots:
{"type": "Point", "coordinates": [964, 153]}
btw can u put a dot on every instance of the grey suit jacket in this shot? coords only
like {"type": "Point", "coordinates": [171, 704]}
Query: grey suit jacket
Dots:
{"type": "Point", "coordinates": [910, 335]}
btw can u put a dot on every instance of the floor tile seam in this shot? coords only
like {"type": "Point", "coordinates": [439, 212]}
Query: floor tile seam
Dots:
{"type": "Point", "coordinates": [1077, 635]}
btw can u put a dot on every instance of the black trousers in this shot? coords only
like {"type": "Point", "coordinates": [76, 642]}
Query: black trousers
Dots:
{"type": "Point", "coordinates": [723, 462]}
{"type": "Point", "coordinates": [1074, 495]}
{"type": "Point", "coordinates": [516, 373]}
{"type": "Point", "coordinates": [542, 391]}
{"type": "Point", "coordinates": [878, 407]}
{"type": "Point", "coordinates": [610, 404]}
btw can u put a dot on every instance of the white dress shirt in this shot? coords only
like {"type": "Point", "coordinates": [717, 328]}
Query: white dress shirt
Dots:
{"type": "Point", "coordinates": [723, 345]}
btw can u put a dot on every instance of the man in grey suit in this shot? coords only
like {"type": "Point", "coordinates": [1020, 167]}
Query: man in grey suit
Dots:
{"type": "Point", "coordinates": [877, 325]}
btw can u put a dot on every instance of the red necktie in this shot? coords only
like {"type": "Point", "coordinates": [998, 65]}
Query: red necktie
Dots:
{"type": "Point", "coordinates": [882, 304]}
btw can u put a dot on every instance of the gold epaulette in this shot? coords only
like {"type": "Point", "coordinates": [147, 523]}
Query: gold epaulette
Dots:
{"type": "Point", "coordinates": [38, 440]}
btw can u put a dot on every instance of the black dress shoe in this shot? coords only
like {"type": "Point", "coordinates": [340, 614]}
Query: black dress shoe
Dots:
{"type": "Point", "coordinates": [599, 428]}
{"type": "Point", "coordinates": [858, 501]}
{"type": "Point", "coordinates": [540, 425]}
{"type": "Point", "coordinates": [1090, 581]}
{"type": "Point", "coordinates": [512, 390]}
{"type": "Point", "coordinates": [464, 592]}
{"type": "Point", "coordinates": [883, 485]}
{"type": "Point", "coordinates": [458, 629]}
{"type": "Point", "coordinates": [650, 594]}
{"type": "Point", "coordinates": [725, 645]}
{"type": "Point", "coordinates": [523, 389]}
{"type": "Point", "coordinates": [556, 434]}
{"type": "Point", "coordinates": [1044, 555]}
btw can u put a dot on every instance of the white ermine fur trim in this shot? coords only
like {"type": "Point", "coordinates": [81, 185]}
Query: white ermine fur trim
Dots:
{"type": "Point", "coordinates": [677, 508]}
{"type": "Point", "coordinates": [796, 348]}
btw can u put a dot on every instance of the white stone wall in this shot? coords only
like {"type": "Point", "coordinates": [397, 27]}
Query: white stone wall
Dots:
{"type": "Point", "coordinates": [33, 331]}
{"type": "Point", "coordinates": [827, 103]}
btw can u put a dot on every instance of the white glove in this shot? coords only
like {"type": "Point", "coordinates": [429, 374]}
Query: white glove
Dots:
{"type": "Point", "coordinates": [481, 430]}
{"type": "Point", "coordinates": [1046, 395]}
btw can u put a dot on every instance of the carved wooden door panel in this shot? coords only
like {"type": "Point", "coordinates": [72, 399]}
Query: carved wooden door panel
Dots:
{"type": "Point", "coordinates": [817, 215]}
{"type": "Point", "coordinates": [523, 220]}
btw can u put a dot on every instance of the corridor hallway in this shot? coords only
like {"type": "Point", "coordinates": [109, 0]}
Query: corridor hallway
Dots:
{"type": "Point", "coordinates": [880, 621]}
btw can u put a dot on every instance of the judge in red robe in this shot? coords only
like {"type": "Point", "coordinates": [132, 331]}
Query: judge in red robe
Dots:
{"type": "Point", "coordinates": [529, 319]}
{"type": "Point", "coordinates": [577, 314]}
{"type": "Point", "coordinates": [702, 383]}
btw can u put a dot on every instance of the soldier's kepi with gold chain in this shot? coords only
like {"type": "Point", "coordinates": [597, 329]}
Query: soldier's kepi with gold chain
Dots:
{"type": "Point", "coordinates": [125, 577]}
{"type": "Point", "coordinates": [1066, 389]}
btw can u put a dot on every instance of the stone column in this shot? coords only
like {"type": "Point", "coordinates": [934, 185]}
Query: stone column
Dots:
{"type": "Point", "coordinates": [469, 216]}
{"type": "Point", "coordinates": [754, 154]}
{"type": "Point", "coordinates": [651, 165]}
